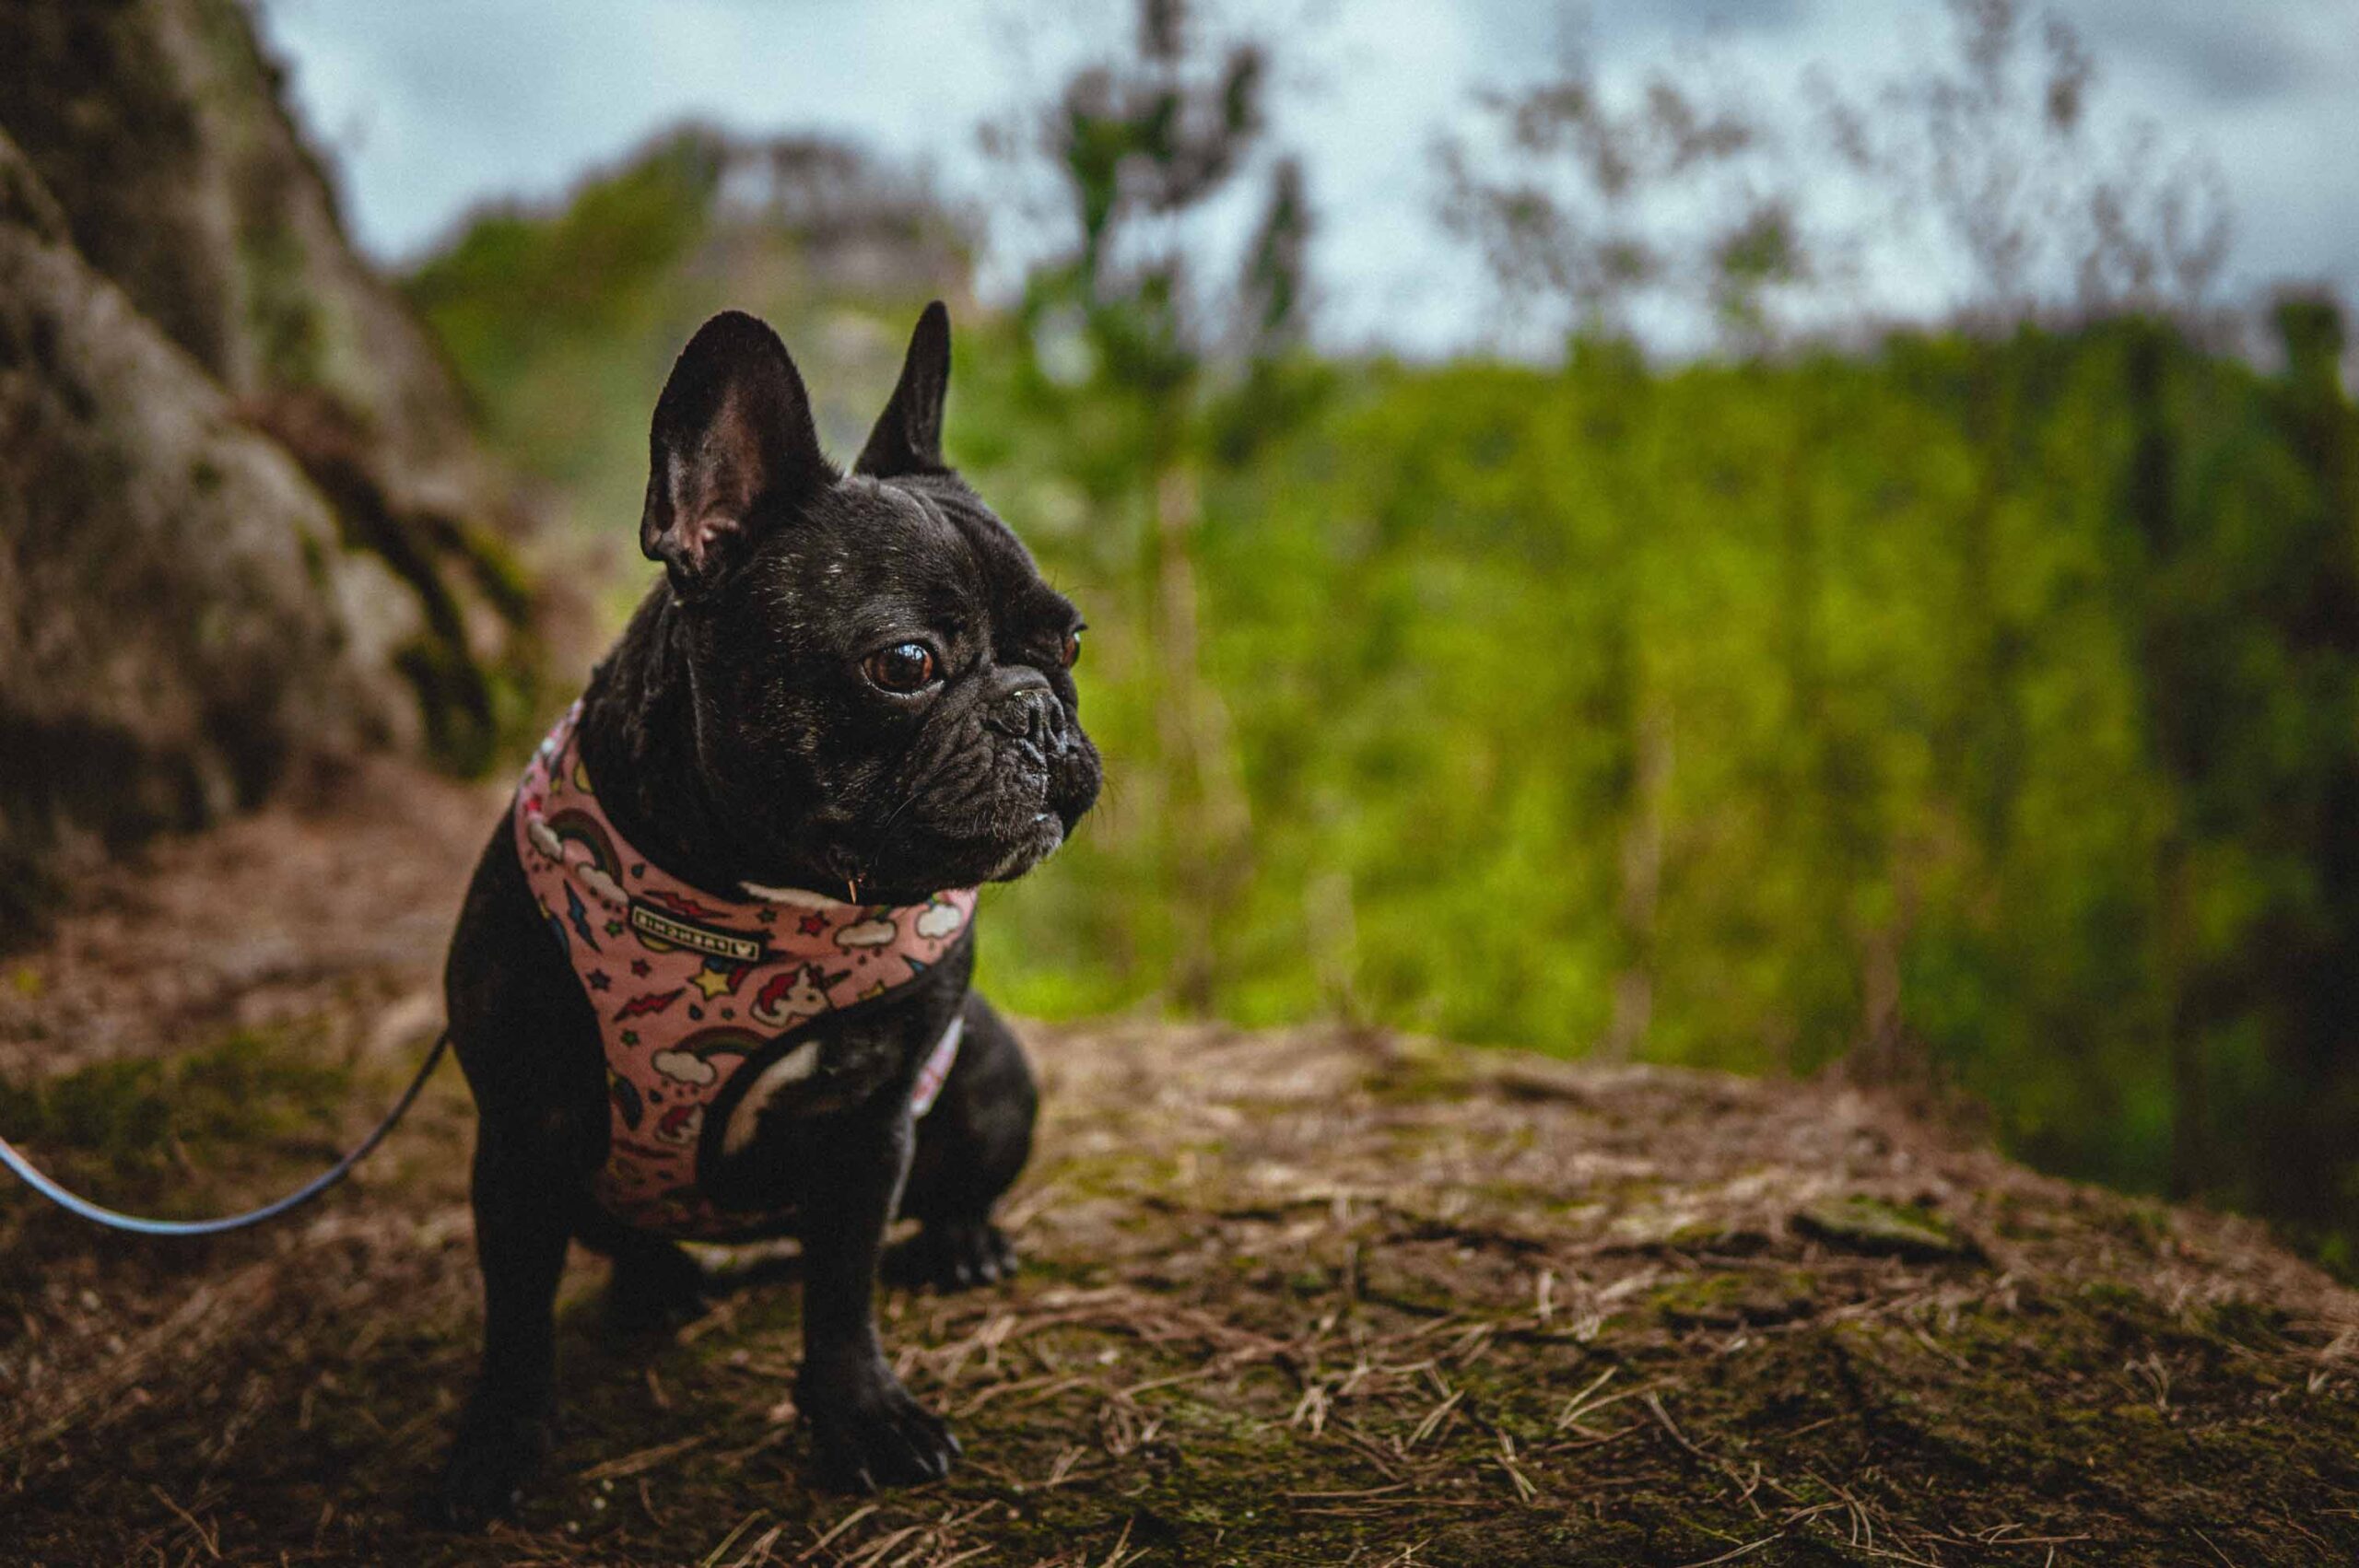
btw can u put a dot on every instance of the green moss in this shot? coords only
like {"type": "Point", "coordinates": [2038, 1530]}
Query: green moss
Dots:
{"type": "Point", "coordinates": [135, 1116]}
{"type": "Point", "coordinates": [282, 316]}
{"type": "Point", "coordinates": [500, 576]}
{"type": "Point", "coordinates": [1873, 1225]}
{"type": "Point", "coordinates": [2106, 1294]}
{"type": "Point", "coordinates": [455, 698]}
{"type": "Point", "coordinates": [1737, 1299]}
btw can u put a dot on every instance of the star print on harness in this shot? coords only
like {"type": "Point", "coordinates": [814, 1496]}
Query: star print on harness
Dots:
{"type": "Point", "coordinates": [691, 989]}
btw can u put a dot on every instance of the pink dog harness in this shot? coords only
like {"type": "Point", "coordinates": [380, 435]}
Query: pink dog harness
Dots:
{"type": "Point", "coordinates": [689, 987]}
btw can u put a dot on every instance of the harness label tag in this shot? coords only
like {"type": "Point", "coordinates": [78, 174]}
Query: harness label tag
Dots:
{"type": "Point", "coordinates": [696, 939]}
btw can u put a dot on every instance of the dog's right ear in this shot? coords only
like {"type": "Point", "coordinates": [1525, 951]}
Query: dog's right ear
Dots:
{"type": "Point", "coordinates": [908, 437]}
{"type": "Point", "coordinates": [733, 451]}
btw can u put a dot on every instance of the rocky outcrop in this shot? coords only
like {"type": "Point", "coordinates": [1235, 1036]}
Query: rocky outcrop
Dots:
{"type": "Point", "coordinates": [245, 521]}
{"type": "Point", "coordinates": [177, 614]}
{"type": "Point", "coordinates": [157, 126]}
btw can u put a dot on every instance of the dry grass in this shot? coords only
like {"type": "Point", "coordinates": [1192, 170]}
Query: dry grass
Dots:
{"type": "Point", "coordinates": [1291, 1298]}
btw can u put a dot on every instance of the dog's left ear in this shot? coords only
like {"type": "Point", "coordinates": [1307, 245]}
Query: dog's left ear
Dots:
{"type": "Point", "coordinates": [732, 453]}
{"type": "Point", "coordinates": [908, 437]}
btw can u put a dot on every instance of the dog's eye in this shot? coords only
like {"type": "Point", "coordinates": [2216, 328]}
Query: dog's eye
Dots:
{"type": "Point", "coordinates": [905, 667]}
{"type": "Point", "coordinates": [1070, 650]}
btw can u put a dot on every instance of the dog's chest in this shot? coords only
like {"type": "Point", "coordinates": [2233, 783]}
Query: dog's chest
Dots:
{"type": "Point", "coordinates": [707, 1005]}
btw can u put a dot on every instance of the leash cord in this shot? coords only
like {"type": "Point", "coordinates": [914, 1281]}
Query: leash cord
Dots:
{"type": "Point", "coordinates": [141, 1226]}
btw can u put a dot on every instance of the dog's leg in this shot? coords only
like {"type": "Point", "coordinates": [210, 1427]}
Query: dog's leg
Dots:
{"type": "Point", "coordinates": [867, 1429]}
{"type": "Point", "coordinates": [970, 1148]}
{"type": "Point", "coordinates": [523, 1219]}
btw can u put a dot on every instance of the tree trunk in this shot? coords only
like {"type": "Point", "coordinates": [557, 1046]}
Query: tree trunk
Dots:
{"type": "Point", "coordinates": [1205, 815]}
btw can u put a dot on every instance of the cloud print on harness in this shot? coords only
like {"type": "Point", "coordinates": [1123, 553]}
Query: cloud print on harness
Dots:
{"type": "Point", "coordinates": [684, 1066]}
{"type": "Point", "coordinates": [691, 1061]}
{"type": "Point", "coordinates": [867, 933]}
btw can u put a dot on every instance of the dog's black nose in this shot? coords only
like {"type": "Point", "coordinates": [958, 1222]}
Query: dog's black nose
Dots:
{"type": "Point", "coordinates": [1026, 709]}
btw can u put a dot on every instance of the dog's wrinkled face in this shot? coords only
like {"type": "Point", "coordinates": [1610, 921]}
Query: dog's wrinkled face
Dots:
{"type": "Point", "coordinates": [883, 683]}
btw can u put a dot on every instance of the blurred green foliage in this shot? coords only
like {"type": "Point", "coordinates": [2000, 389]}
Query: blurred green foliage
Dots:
{"type": "Point", "coordinates": [1983, 712]}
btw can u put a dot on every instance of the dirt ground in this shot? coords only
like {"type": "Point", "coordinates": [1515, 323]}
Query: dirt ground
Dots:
{"type": "Point", "coordinates": [1306, 1297]}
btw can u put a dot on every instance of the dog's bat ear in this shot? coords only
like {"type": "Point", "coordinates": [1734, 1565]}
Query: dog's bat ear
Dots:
{"type": "Point", "coordinates": [731, 452]}
{"type": "Point", "coordinates": [908, 437]}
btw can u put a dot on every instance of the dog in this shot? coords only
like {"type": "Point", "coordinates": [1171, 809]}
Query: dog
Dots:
{"type": "Point", "coordinates": [711, 978]}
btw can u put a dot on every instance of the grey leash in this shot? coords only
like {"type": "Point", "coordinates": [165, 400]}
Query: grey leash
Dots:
{"type": "Point", "coordinates": [139, 1225]}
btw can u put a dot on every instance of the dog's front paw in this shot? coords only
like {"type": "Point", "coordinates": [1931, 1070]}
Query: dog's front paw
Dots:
{"type": "Point", "coordinates": [951, 1255]}
{"type": "Point", "coordinates": [499, 1449]}
{"type": "Point", "coordinates": [867, 1431]}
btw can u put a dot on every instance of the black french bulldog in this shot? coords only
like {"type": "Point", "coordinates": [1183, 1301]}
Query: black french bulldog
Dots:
{"type": "Point", "coordinates": [843, 682]}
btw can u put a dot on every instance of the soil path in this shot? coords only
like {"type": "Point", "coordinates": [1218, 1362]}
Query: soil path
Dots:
{"type": "Point", "coordinates": [1304, 1297]}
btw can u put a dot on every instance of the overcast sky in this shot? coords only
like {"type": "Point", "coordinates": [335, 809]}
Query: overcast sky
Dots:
{"type": "Point", "coordinates": [433, 106]}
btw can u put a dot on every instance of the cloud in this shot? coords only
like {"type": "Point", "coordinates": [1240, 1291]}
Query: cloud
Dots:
{"type": "Point", "coordinates": [2229, 57]}
{"type": "Point", "coordinates": [425, 110]}
{"type": "Point", "coordinates": [432, 107]}
{"type": "Point", "coordinates": [867, 933]}
{"type": "Point", "coordinates": [1693, 18]}
{"type": "Point", "coordinates": [940, 921]}
{"type": "Point", "coordinates": [685, 1067]}
{"type": "Point", "coordinates": [605, 889]}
